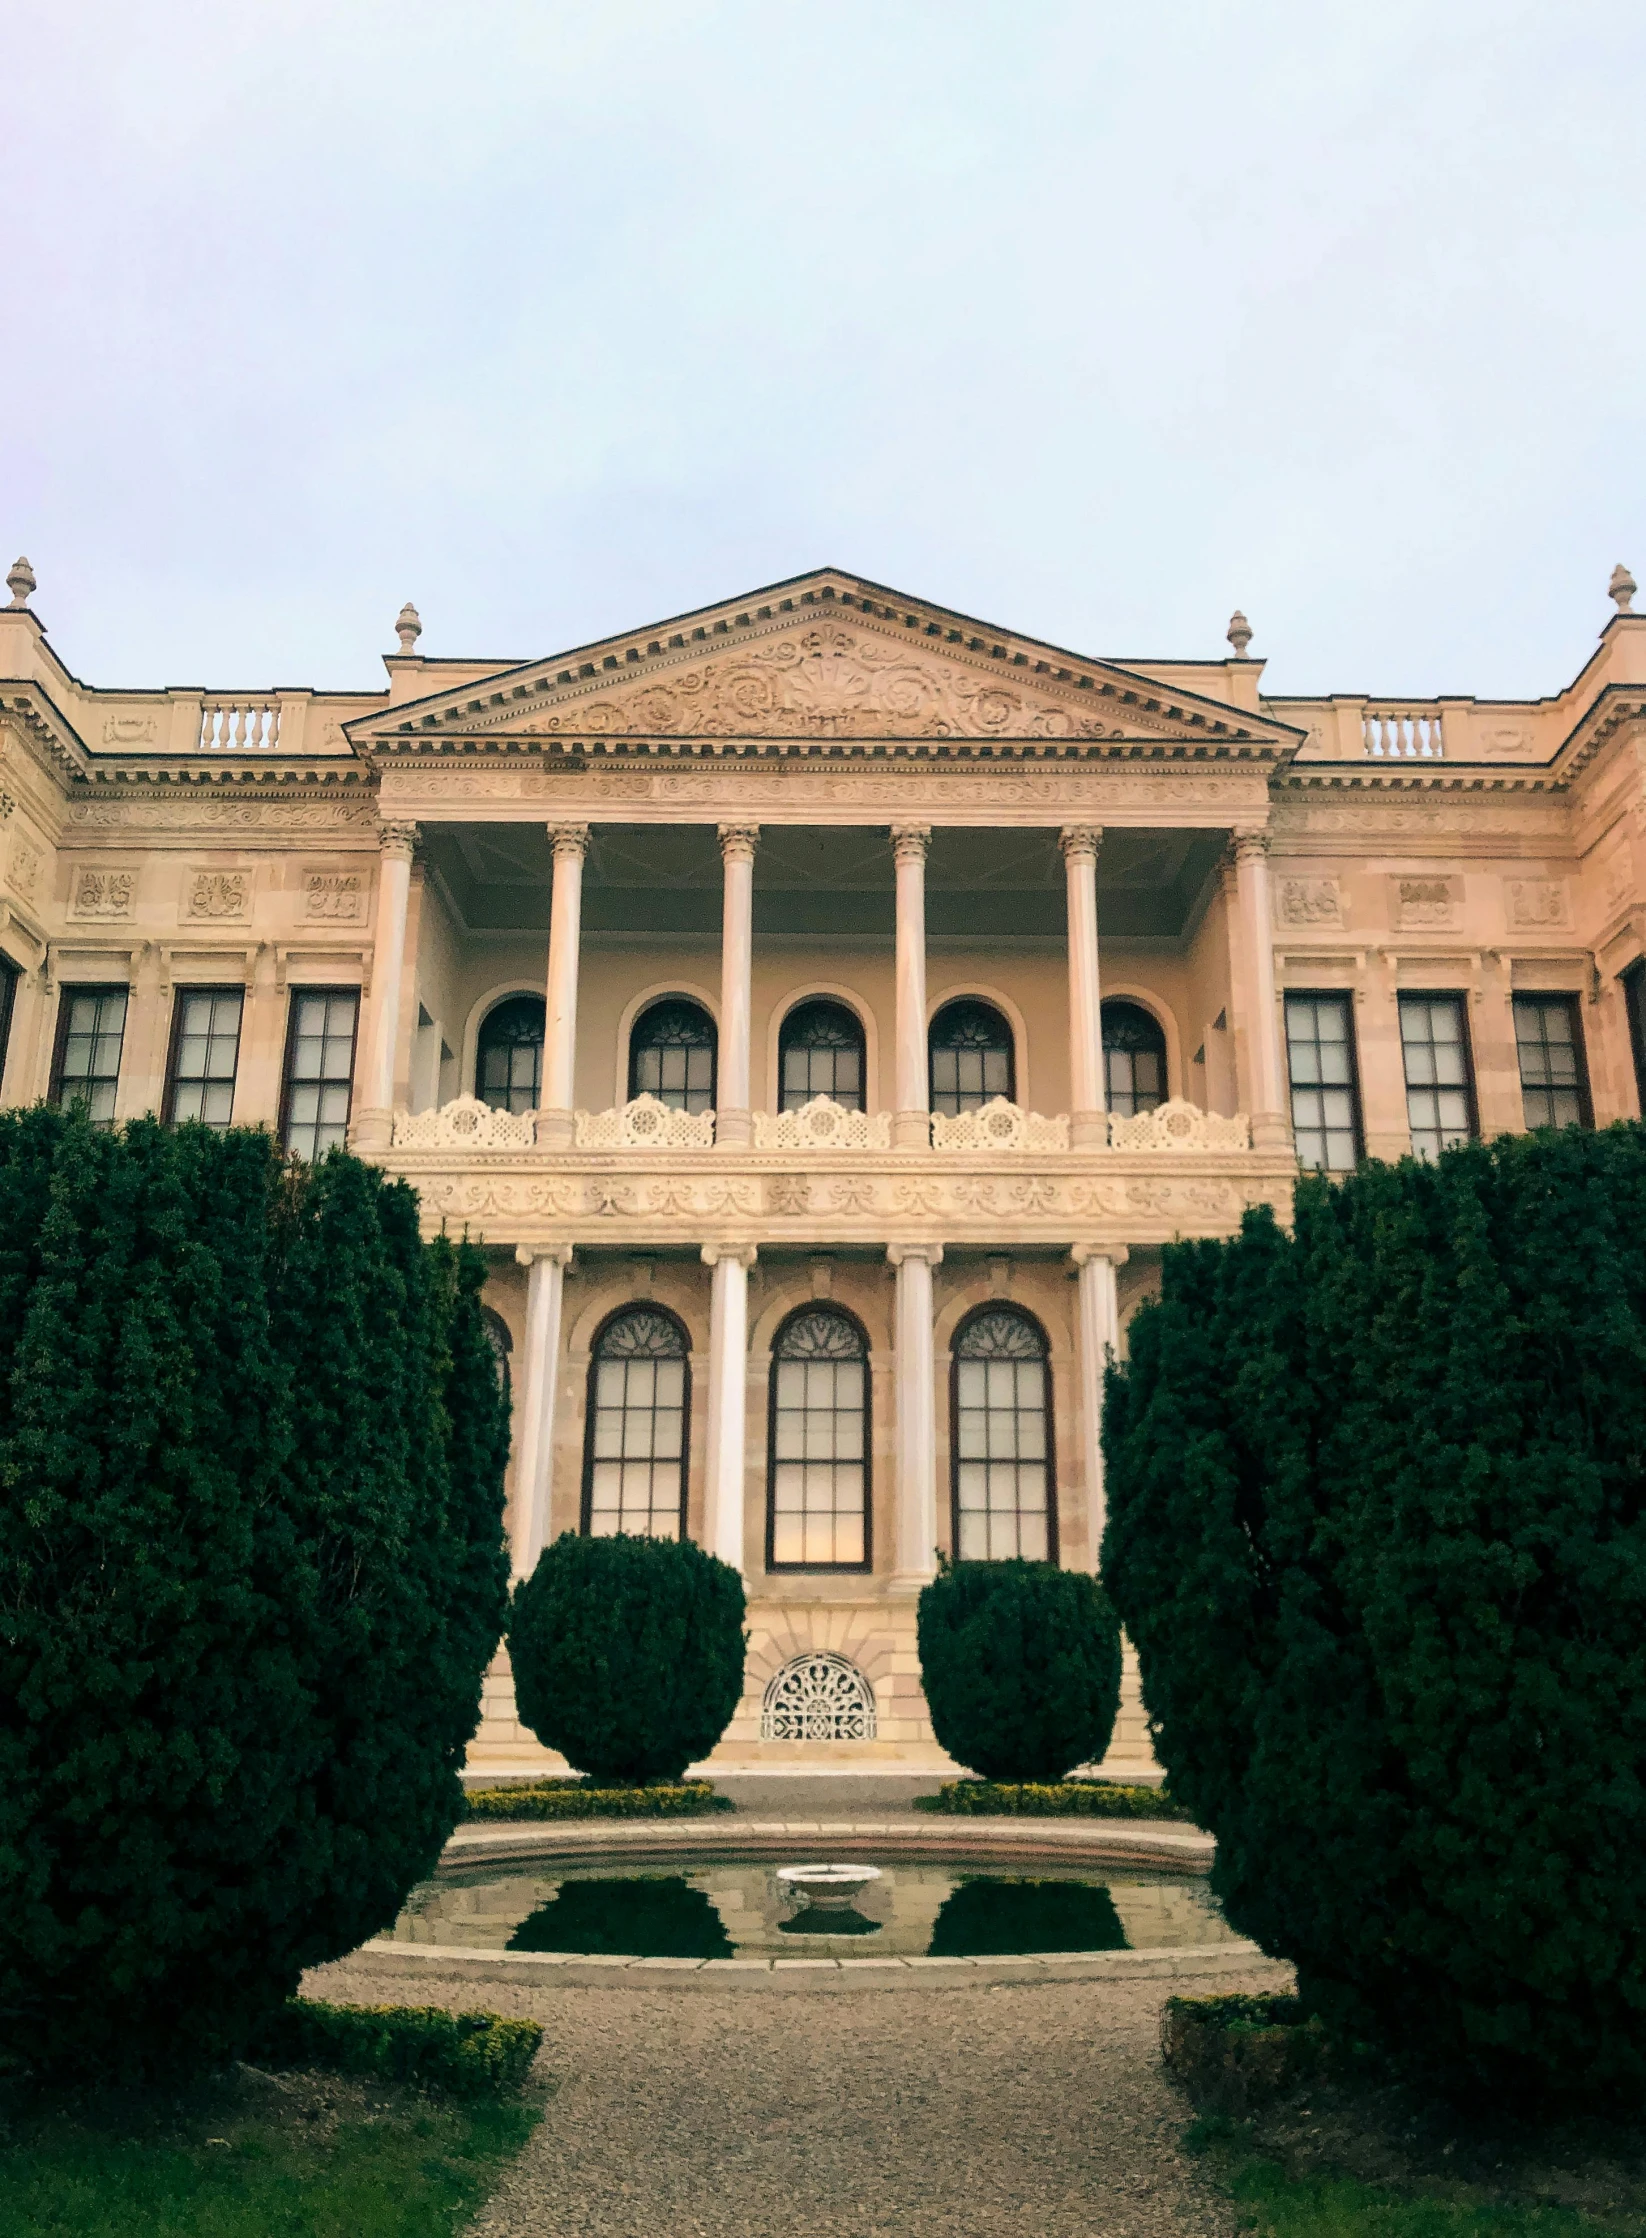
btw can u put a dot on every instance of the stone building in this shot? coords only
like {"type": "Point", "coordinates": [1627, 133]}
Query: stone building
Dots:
{"type": "Point", "coordinates": [824, 1007]}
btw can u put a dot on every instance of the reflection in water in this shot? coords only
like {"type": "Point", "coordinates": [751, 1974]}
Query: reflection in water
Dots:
{"type": "Point", "coordinates": [835, 1919]}
{"type": "Point", "coordinates": [661, 1918]}
{"type": "Point", "coordinates": [997, 1918]}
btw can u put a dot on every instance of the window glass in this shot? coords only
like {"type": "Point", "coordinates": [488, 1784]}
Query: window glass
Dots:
{"type": "Point", "coordinates": [671, 1056]}
{"type": "Point", "coordinates": [1634, 996]}
{"type": "Point", "coordinates": [971, 1057]}
{"type": "Point", "coordinates": [635, 1451]}
{"type": "Point", "coordinates": [820, 1053]}
{"type": "Point", "coordinates": [1002, 1447]}
{"type": "Point", "coordinates": [205, 1054]}
{"type": "Point", "coordinates": [819, 1444]}
{"type": "Point", "coordinates": [93, 1027]}
{"type": "Point", "coordinates": [10, 974]}
{"type": "Point", "coordinates": [319, 1069]}
{"type": "Point", "coordinates": [509, 1058]}
{"type": "Point", "coordinates": [1134, 1059]}
{"type": "Point", "coordinates": [1553, 1090]}
{"type": "Point", "coordinates": [1439, 1096]}
{"type": "Point", "coordinates": [1325, 1098]}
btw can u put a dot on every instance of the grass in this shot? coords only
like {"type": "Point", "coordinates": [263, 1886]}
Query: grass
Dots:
{"type": "Point", "coordinates": [260, 2156]}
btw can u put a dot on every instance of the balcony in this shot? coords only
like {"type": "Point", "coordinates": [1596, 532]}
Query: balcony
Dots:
{"type": "Point", "coordinates": [648, 1176]}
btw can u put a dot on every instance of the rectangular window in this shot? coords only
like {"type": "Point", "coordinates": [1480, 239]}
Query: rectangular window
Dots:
{"type": "Point", "coordinates": [205, 1054]}
{"type": "Point", "coordinates": [1634, 996]}
{"type": "Point", "coordinates": [1554, 1088]}
{"type": "Point", "coordinates": [10, 974]}
{"type": "Point", "coordinates": [319, 1069]}
{"type": "Point", "coordinates": [1440, 1101]}
{"type": "Point", "coordinates": [91, 1025]}
{"type": "Point", "coordinates": [1320, 1050]}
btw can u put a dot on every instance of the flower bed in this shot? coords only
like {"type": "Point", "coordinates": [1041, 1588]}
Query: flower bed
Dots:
{"type": "Point", "coordinates": [570, 1798]}
{"type": "Point", "coordinates": [1054, 1799]}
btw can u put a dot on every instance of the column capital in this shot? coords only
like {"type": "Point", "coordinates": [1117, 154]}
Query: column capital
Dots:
{"type": "Point", "coordinates": [740, 1254]}
{"type": "Point", "coordinates": [554, 1254]}
{"type": "Point", "coordinates": [569, 839]}
{"type": "Point", "coordinates": [1250, 844]}
{"type": "Point", "coordinates": [738, 842]}
{"type": "Point", "coordinates": [1116, 1253]}
{"type": "Point", "coordinates": [932, 1253]}
{"type": "Point", "coordinates": [397, 841]}
{"type": "Point", "coordinates": [910, 842]}
{"type": "Point", "coordinates": [1080, 840]}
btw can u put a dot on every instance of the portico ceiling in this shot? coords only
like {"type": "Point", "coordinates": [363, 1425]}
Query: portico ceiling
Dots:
{"type": "Point", "coordinates": [820, 880]}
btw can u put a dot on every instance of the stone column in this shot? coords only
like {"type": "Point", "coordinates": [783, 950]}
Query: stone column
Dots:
{"type": "Point", "coordinates": [737, 846]}
{"type": "Point", "coordinates": [374, 1121]}
{"type": "Point", "coordinates": [1088, 1101]}
{"type": "Point", "coordinates": [1271, 1119]}
{"type": "Point", "coordinates": [554, 1123]}
{"type": "Point", "coordinates": [916, 1534]}
{"type": "Point", "coordinates": [723, 1524]}
{"type": "Point", "coordinates": [911, 1123]}
{"type": "Point", "coordinates": [1099, 1342]}
{"type": "Point", "coordinates": [539, 1388]}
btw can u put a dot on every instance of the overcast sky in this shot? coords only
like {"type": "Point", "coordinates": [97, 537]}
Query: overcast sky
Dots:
{"type": "Point", "coordinates": [1092, 320]}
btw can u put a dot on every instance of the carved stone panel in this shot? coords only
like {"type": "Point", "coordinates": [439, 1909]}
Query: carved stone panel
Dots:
{"type": "Point", "coordinates": [1309, 901]}
{"type": "Point", "coordinates": [1537, 904]}
{"type": "Point", "coordinates": [1425, 904]}
{"type": "Point", "coordinates": [334, 897]}
{"type": "Point", "coordinates": [103, 893]}
{"type": "Point", "coordinates": [218, 896]}
{"type": "Point", "coordinates": [25, 868]}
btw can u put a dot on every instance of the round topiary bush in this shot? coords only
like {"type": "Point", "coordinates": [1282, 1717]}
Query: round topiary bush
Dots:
{"type": "Point", "coordinates": [628, 1654]}
{"type": "Point", "coordinates": [1021, 1666]}
{"type": "Point", "coordinates": [251, 1571]}
{"type": "Point", "coordinates": [1377, 1527]}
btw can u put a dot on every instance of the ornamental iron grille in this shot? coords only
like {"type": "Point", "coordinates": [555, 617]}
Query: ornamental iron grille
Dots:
{"type": "Point", "coordinates": [818, 1697]}
{"type": "Point", "coordinates": [1134, 1059]}
{"type": "Point", "coordinates": [508, 1070]}
{"type": "Point", "coordinates": [820, 1053]}
{"type": "Point", "coordinates": [671, 1056]}
{"type": "Point", "coordinates": [634, 1470]}
{"type": "Point", "coordinates": [971, 1057]}
{"type": "Point", "coordinates": [1320, 1053]}
{"type": "Point", "coordinates": [818, 1512]}
{"type": "Point", "coordinates": [1003, 1505]}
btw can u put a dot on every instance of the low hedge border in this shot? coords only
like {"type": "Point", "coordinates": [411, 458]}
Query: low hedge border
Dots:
{"type": "Point", "coordinates": [1059, 1799]}
{"type": "Point", "coordinates": [1234, 2054]}
{"type": "Point", "coordinates": [466, 2055]}
{"type": "Point", "coordinates": [575, 1799]}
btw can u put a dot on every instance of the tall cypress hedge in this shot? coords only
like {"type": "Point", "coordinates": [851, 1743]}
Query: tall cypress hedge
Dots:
{"type": "Point", "coordinates": [1377, 1530]}
{"type": "Point", "coordinates": [251, 1569]}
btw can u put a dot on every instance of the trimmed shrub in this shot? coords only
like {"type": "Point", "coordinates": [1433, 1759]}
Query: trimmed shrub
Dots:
{"type": "Point", "coordinates": [1236, 2054]}
{"type": "Point", "coordinates": [1055, 1799]}
{"type": "Point", "coordinates": [251, 1570]}
{"type": "Point", "coordinates": [577, 1799]}
{"type": "Point", "coordinates": [1021, 1666]}
{"type": "Point", "coordinates": [1378, 1530]}
{"type": "Point", "coordinates": [628, 1655]}
{"type": "Point", "coordinates": [465, 2055]}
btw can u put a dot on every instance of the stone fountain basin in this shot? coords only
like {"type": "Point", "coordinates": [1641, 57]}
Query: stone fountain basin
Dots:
{"type": "Point", "coordinates": [826, 1887]}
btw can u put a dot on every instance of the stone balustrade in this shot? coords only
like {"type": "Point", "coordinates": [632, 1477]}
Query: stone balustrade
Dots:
{"type": "Point", "coordinates": [1404, 734]}
{"type": "Point", "coordinates": [239, 725]}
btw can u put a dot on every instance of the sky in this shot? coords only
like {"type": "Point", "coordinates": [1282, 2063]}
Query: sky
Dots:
{"type": "Point", "coordinates": [1093, 321]}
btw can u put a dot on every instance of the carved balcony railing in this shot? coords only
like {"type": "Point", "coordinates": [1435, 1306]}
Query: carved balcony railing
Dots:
{"type": "Point", "coordinates": [466, 1124]}
{"type": "Point", "coordinates": [822, 1125]}
{"type": "Point", "coordinates": [644, 1124]}
{"type": "Point", "coordinates": [1179, 1126]}
{"type": "Point", "coordinates": [999, 1125]}
{"type": "Point", "coordinates": [1403, 734]}
{"type": "Point", "coordinates": [239, 725]}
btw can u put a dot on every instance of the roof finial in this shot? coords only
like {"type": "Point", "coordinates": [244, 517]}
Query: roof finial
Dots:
{"type": "Point", "coordinates": [1622, 588]}
{"type": "Point", "coordinates": [20, 583]}
{"type": "Point", "coordinates": [1240, 633]}
{"type": "Point", "coordinates": [408, 627]}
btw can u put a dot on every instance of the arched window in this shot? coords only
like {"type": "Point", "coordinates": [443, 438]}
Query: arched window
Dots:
{"type": "Point", "coordinates": [508, 1065]}
{"type": "Point", "coordinates": [820, 1053]}
{"type": "Point", "coordinates": [817, 1514]}
{"type": "Point", "coordinates": [502, 1344]}
{"type": "Point", "coordinates": [634, 1449]}
{"type": "Point", "coordinates": [971, 1057]}
{"type": "Point", "coordinates": [1134, 1059]}
{"type": "Point", "coordinates": [1002, 1440]}
{"type": "Point", "coordinates": [671, 1056]}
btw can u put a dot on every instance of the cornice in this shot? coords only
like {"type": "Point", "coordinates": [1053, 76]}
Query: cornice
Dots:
{"type": "Point", "coordinates": [43, 726]}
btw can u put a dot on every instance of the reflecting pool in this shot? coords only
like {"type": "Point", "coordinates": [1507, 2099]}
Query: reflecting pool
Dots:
{"type": "Point", "coordinates": [708, 1910]}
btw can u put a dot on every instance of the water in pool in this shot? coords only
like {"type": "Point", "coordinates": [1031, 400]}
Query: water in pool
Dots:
{"type": "Point", "coordinates": [741, 1911]}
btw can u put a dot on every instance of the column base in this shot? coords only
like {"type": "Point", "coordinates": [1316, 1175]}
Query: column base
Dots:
{"type": "Point", "coordinates": [911, 1130]}
{"type": "Point", "coordinates": [1088, 1130]}
{"type": "Point", "coordinates": [733, 1130]}
{"type": "Point", "coordinates": [555, 1130]}
{"type": "Point", "coordinates": [908, 1585]}
{"type": "Point", "coordinates": [372, 1131]}
{"type": "Point", "coordinates": [1271, 1130]}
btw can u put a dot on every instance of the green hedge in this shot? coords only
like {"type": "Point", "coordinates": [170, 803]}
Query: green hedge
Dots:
{"type": "Point", "coordinates": [1234, 2054]}
{"type": "Point", "coordinates": [1049, 1799]}
{"type": "Point", "coordinates": [1020, 1662]}
{"type": "Point", "coordinates": [579, 1799]}
{"type": "Point", "coordinates": [466, 2055]}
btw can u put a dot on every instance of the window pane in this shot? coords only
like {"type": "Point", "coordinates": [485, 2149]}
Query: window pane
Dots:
{"type": "Point", "coordinates": [821, 1054]}
{"type": "Point", "coordinates": [1134, 1059]}
{"type": "Point", "coordinates": [1325, 1108]}
{"type": "Point", "coordinates": [819, 1482]}
{"type": "Point", "coordinates": [93, 1032]}
{"type": "Point", "coordinates": [1435, 1050]}
{"type": "Point", "coordinates": [508, 1068]}
{"type": "Point", "coordinates": [206, 1054]}
{"type": "Point", "coordinates": [671, 1056]}
{"type": "Point", "coordinates": [1002, 1477]}
{"type": "Point", "coordinates": [971, 1056]}
{"type": "Point", "coordinates": [1552, 1084]}
{"type": "Point", "coordinates": [635, 1452]}
{"type": "Point", "coordinates": [320, 1069]}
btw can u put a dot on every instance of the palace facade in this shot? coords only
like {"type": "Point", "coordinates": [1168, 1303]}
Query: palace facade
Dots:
{"type": "Point", "coordinates": [824, 1007]}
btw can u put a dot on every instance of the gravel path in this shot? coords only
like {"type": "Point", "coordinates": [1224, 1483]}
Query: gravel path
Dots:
{"type": "Point", "coordinates": [1037, 2112]}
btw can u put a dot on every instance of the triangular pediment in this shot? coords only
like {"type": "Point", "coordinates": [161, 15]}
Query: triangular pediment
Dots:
{"type": "Point", "coordinates": [825, 657]}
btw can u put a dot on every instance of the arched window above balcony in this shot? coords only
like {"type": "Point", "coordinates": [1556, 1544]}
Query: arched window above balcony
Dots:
{"type": "Point", "coordinates": [820, 1053]}
{"type": "Point", "coordinates": [971, 1057]}
{"type": "Point", "coordinates": [508, 1067]}
{"type": "Point", "coordinates": [672, 1055]}
{"type": "Point", "coordinates": [1134, 1059]}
